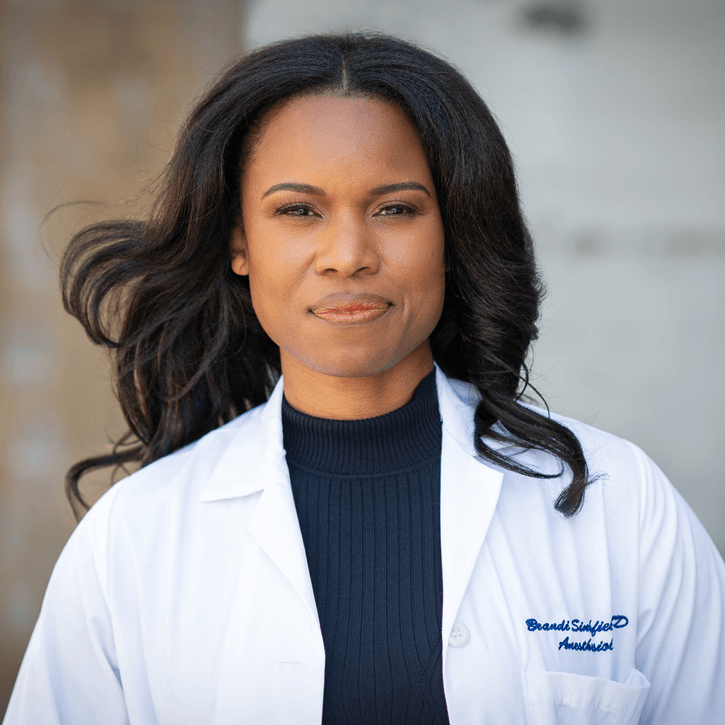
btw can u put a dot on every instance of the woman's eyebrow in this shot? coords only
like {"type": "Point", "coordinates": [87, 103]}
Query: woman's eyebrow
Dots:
{"type": "Point", "coordinates": [299, 188]}
{"type": "Point", "coordinates": [377, 191]}
{"type": "Point", "coordinates": [402, 186]}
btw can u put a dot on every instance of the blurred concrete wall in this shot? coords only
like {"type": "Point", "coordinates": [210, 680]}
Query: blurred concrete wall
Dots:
{"type": "Point", "coordinates": [91, 95]}
{"type": "Point", "coordinates": [615, 113]}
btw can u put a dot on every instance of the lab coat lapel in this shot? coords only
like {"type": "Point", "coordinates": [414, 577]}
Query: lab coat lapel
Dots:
{"type": "Point", "coordinates": [469, 494]}
{"type": "Point", "coordinates": [275, 525]}
{"type": "Point", "coordinates": [254, 462]}
{"type": "Point", "coordinates": [276, 529]}
{"type": "Point", "coordinates": [274, 663]}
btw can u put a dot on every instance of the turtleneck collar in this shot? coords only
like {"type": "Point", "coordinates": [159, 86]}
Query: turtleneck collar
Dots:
{"type": "Point", "coordinates": [387, 444]}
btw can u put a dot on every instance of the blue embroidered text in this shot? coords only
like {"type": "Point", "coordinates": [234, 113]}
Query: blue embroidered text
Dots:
{"type": "Point", "coordinates": [588, 646]}
{"type": "Point", "coordinates": [577, 625]}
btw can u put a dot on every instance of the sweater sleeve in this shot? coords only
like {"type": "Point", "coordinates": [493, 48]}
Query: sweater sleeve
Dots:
{"type": "Point", "coordinates": [681, 635]}
{"type": "Point", "coordinates": [69, 674]}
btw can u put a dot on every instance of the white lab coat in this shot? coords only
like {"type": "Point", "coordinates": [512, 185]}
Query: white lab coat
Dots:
{"type": "Point", "coordinates": [184, 594]}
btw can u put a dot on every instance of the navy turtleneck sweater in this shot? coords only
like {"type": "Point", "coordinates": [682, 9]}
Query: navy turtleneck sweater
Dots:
{"type": "Point", "coordinates": [367, 494]}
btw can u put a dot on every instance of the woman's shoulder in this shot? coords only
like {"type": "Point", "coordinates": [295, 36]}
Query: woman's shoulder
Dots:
{"type": "Point", "coordinates": [629, 497]}
{"type": "Point", "coordinates": [621, 472]}
{"type": "Point", "coordinates": [603, 450]}
{"type": "Point", "coordinates": [624, 481]}
{"type": "Point", "coordinates": [601, 447]}
{"type": "Point", "coordinates": [176, 482]}
{"type": "Point", "coordinates": [620, 469]}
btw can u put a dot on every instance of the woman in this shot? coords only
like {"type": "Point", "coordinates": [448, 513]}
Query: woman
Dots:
{"type": "Point", "coordinates": [387, 534]}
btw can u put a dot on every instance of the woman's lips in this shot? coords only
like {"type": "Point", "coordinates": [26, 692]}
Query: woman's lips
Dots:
{"type": "Point", "coordinates": [350, 308]}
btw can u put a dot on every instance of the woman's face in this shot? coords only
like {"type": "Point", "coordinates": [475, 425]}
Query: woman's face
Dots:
{"type": "Point", "coordinates": [342, 236]}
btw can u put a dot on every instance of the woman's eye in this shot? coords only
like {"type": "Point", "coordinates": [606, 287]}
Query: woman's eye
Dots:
{"type": "Point", "coordinates": [296, 211]}
{"type": "Point", "coordinates": [395, 210]}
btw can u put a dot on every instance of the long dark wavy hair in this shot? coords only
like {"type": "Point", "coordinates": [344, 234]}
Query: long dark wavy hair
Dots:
{"type": "Point", "coordinates": [188, 350]}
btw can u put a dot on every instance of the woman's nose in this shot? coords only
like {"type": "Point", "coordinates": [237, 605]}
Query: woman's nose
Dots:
{"type": "Point", "coordinates": [346, 247]}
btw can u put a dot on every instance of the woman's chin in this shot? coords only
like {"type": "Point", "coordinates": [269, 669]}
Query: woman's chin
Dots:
{"type": "Point", "coordinates": [349, 367]}
{"type": "Point", "coordinates": [358, 362]}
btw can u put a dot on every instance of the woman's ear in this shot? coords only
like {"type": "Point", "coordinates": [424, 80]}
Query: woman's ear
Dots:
{"type": "Point", "coordinates": [240, 263]}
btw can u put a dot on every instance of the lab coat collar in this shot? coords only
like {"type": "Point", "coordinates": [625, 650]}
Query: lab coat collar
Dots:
{"type": "Point", "coordinates": [254, 444]}
{"type": "Point", "coordinates": [253, 453]}
{"type": "Point", "coordinates": [241, 469]}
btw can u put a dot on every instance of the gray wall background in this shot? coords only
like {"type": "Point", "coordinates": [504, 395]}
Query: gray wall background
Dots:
{"type": "Point", "coordinates": [614, 111]}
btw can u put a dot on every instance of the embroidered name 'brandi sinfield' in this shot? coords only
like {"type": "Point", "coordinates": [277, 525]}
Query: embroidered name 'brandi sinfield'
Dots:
{"type": "Point", "coordinates": [578, 625]}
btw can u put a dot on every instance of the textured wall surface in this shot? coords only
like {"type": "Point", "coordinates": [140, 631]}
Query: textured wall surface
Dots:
{"type": "Point", "coordinates": [91, 96]}
{"type": "Point", "coordinates": [615, 114]}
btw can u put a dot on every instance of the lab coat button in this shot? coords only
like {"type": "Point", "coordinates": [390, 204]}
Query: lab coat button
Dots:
{"type": "Point", "coordinates": [460, 636]}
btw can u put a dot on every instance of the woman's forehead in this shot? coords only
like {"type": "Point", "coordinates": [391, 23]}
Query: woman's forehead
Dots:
{"type": "Point", "coordinates": [319, 134]}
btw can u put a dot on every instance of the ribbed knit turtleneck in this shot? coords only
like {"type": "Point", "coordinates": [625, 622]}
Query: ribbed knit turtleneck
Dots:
{"type": "Point", "coordinates": [367, 494]}
{"type": "Point", "coordinates": [370, 447]}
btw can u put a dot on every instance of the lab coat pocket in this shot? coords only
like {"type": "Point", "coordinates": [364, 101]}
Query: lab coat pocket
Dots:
{"type": "Point", "coordinates": [562, 698]}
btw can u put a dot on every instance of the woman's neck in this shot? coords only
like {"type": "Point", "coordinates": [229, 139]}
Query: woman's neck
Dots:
{"type": "Point", "coordinates": [352, 398]}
